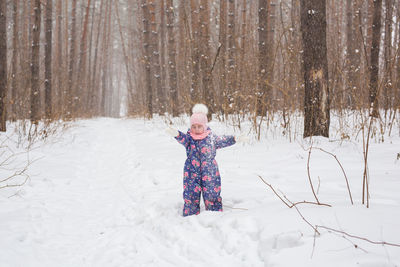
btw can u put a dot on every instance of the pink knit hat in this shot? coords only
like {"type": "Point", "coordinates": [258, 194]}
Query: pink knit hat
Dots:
{"type": "Point", "coordinates": [199, 115]}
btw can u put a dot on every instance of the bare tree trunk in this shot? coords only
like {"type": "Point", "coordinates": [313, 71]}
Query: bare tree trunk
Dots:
{"type": "Point", "coordinates": [264, 89]}
{"type": "Point", "coordinates": [231, 49]}
{"type": "Point", "coordinates": [3, 65]}
{"type": "Point", "coordinates": [71, 68]}
{"type": "Point", "coordinates": [48, 59]}
{"type": "Point", "coordinates": [58, 63]}
{"type": "Point", "coordinates": [94, 92]}
{"type": "Point", "coordinates": [242, 63]}
{"type": "Point", "coordinates": [369, 19]}
{"type": "Point", "coordinates": [105, 62]}
{"type": "Point", "coordinates": [66, 94]}
{"type": "Point", "coordinates": [147, 58]}
{"type": "Point", "coordinates": [374, 71]}
{"type": "Point", "coordinates": [388, 79]}
{"type": "Point", "coordinates": [81, 81]}
{"type": "Point", "coordinates": [353, 53]}
{"type": "Point", "coordinates": [315, 63]}
{"type": "Point", "coordinates": [205, 65]}
{"type": "Point", "coordinates": [35, 67]}
{"type": "Point", "coordinates": [88, 96]}
{"type": "Point", "coordinates": [270, 44]}
{"type": "Point", "coordinates": [14, 87]}
{"type": "Point", "coordinates": [163, 74]}
{"type": "Point", "coordinates": [350, 53]}
{"type": "Point", "coordinates": [295, 44]}
{"type": "Point", "coordinates": [23, 95]}
{"type": "Point", "coordinates": [173, 82]}
{"type": "Point", "coordinates": [397, 94]}
{"type": "Point", "coordinates": [223, 42]}
{"type": "Point", "coordinates": [155, 60]}
{"type": "Point", "coordinates": [184, 64]}
{"type": "Point", "coordinates": [195, 90]}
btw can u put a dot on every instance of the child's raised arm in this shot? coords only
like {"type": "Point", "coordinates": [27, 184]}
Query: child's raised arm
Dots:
{"type": "Point", "coordinates": [182, 138]}
{"type": "Point", "coordinates": [178, 135]}
{"type": "Point", "coordinates": [224, 141]}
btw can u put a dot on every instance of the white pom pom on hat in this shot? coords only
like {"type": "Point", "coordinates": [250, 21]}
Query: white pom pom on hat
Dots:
{"type": "Point", "coordinates": [199, 115]}
{"type": "Point", "coordinates": [200, 108]}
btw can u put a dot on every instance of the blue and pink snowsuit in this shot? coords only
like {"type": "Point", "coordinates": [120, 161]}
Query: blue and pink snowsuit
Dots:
{"type": "Point", "coordinates": [201, 172]}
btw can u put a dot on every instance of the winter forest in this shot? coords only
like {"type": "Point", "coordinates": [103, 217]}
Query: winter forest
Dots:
{"type": "Point", "coordinates": [93, 93]}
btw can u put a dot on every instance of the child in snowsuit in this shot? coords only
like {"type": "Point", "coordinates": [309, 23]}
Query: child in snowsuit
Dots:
{"type": "Point", "coordinates": [201, 174]}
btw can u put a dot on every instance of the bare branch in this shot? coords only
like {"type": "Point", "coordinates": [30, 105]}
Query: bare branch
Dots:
{"type": "Point", "coordinates": [309, 175]}
{"type": "Point", "coordinates": [292, 204]}
{"type": "Point", "coordinates": [344, 173]}
{"type": "Point", "coordinates": [315, 228]}
{"type": "Point", "coordinates": [358, 237]}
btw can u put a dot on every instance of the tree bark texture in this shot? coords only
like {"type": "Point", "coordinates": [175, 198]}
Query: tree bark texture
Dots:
{"type": "Point", "coordinates": [315, 67]}
{"type": "Point", "coordinates": [263, 88]}
{"type": "Point", "coordinates": [388, 74]}
{"type": "Point", "coordinates": [71, 68]}
{"type": "Point", "coordinates": [173, 76]}
{"type": "Point", "coordinates": [374, 68]}
{"type": "Point", "coordinates": [3, 65]}
{"type": "Point", "coordinates": [48, 59]}
{"type": "Point", "coordinates": [81, 81]}
{"type": "Point", "coordinates": [207, 90]}
{"type": "Point", "coordinates": [14, 62]}
{"type": "Point", "coordinates": [195, 88]}
{"type": "Point", "coordinates": [147, 58]}
{"type": "Point", "coordinates": [231, 55]}
{"type": "Point", "coordinates": [35, 67]}
{"type": "Point", "coordinates": [223, 42]}
{"type": "Point", "coordinates": [155, 59]}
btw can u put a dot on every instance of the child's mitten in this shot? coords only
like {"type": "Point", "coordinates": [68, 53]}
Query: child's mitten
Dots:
{"type": "Point", "coordinates": [171, 131]}
{"type": "Point", "coordinates": [242, 139]}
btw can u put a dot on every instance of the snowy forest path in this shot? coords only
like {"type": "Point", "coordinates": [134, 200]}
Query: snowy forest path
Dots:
{"type": "Point", "coordinates": [94, 223]}
{"type": "Point", "coordinates": [117, 186]}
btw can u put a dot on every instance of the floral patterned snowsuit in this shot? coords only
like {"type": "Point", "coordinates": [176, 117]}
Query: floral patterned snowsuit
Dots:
{"type": "Point", "coordinates": [201, 172]}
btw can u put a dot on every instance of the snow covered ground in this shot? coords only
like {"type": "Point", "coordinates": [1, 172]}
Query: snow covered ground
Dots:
{"type": "Point", "coordinates": [108, 192]}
